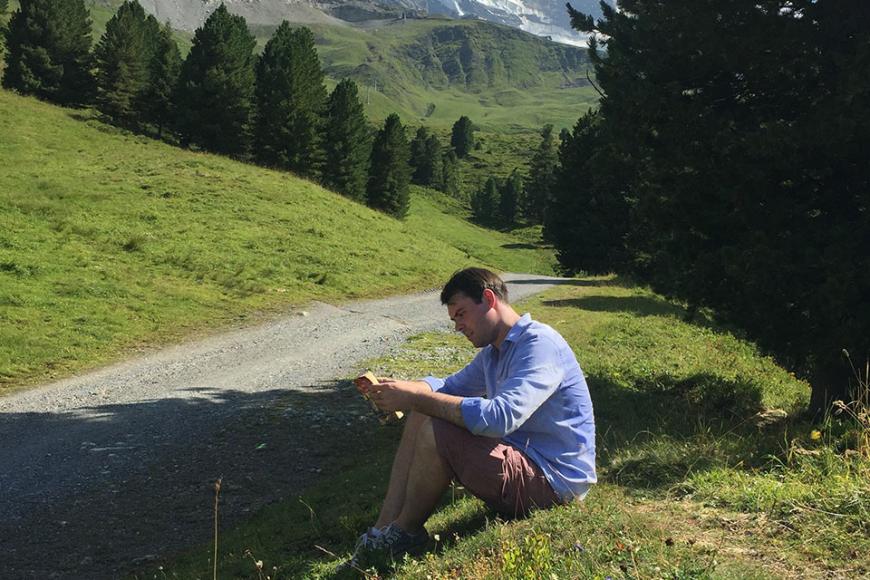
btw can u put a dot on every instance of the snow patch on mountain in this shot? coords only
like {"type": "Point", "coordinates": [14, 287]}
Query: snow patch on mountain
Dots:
{"type": "Point", "coordinates": [548, 18]}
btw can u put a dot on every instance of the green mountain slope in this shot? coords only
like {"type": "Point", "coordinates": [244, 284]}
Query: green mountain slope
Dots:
{"type": "Point", "coordinates": [432, 71]}
{"type": "Point", "coordinates": [110, 240]}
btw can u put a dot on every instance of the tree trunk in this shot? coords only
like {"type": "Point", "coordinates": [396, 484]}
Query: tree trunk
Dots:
{"type": "Point", "coordinates": [831, 381]}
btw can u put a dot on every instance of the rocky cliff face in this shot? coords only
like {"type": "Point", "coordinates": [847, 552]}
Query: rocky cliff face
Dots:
{"type": "Point", "coordinates": [540, 17]}
{"type": "Point", "coordinates": [190, 14]}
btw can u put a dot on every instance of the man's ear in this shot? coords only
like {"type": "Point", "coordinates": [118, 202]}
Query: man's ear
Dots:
{"type": "Point", "coordinates": [490, 298]}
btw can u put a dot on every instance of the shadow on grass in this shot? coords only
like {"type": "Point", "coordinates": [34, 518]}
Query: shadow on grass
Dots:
{"type": "Point", "coordinates": [520, 246]}
{"type": "Point", "coordinates": [655, 434]}
{"type": "Point", "coordinates": [636, 305]}
{"type": "Point", "coordinates": [614, 281]}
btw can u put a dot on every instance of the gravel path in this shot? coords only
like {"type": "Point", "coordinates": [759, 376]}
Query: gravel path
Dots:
{"type": "Point", "coordinates": [106, 472]}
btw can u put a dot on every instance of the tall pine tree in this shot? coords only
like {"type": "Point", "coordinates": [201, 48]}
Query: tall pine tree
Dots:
{"type": "Point", "coordinates": [215, 103]}
{"type": "Point", "coordinates": [390, 173]}
{"type": "Point", "coordinates": [433, 163]}
{"type": "Point", "coordinates": [586, 218]}
{"type": "Point", "coordinates": [485, 202]}
{"type": "Point", "coordinates": [462, 137]}
{"type": "Point", "coordinates": [450, 176]}
{"type": "Point", "coordinates": [291, 101]}
{"type": "Point", "coordinates": [509, 199]}
{"type": "Point", "coordinates": [418, 156]}
{"type": "Point", "coordinates": [122, 57]}
{"type": "Point", "coordinates": [542, 176]}
{"type": "Point", "coordinates": [426, 159]}
{"type": "Point", "coordinates": [48, 45]}
{"type": "Point", "coordinates": [163, 71]}
{"type": "Point", "coordinates": [346, 144]}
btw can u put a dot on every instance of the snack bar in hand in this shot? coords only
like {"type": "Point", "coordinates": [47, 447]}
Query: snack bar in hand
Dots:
{"type": "Point", "coordinates": [363, 384]}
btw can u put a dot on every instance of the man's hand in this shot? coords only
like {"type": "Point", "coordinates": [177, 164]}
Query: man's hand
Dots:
{"type": "Point", "coordinates": [392, 395]}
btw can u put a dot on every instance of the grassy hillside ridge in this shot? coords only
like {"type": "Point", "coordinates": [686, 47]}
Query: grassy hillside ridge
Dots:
{"type": "Point", "coordinates": [110, 240]}
{"type": "Point", "coordinates": [693, 484]}
{"type": "Point", "coordinates": [443, 216]}
{"type": "Point", "coordinates": [433, 71]}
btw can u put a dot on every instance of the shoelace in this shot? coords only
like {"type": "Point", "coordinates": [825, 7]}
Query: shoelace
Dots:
{"type": "Point", "coordinates": [391, 536]}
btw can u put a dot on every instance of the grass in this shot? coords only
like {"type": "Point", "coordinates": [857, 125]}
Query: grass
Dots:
{"type": "Point", "coordinates": [430, 208]}
{"type": "Point", "coordinates": [386, 62]}
{"type": "Point", "coordinates": [111, 241]}
{"type": "Point", "coordinates": [701, 477]}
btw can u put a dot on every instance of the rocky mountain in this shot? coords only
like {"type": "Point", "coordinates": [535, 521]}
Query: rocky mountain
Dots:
{"type": "Point", "coordinates": [546, 18]}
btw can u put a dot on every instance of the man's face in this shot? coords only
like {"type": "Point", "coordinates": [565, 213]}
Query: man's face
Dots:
{"type": "Point", "coordinates": [475, 321]}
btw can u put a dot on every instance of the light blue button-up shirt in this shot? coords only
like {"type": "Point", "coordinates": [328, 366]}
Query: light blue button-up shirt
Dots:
{"type": "Point", "coordinates": [532, 394]}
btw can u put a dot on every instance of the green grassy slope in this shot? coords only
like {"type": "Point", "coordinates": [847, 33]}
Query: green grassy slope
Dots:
{"type": "Point", "coordinates": [434, 212]}
{"type": "Point", "coordinates": [433, 71]}
{"type": "Point", "coordinates": [109, 241]}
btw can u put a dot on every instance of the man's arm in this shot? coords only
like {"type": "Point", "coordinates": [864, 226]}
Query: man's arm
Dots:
{"type": "Point", "coordinates": [392, 395]}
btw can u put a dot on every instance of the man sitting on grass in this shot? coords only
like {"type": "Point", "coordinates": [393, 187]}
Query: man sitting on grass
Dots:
{"type": "Point", "coordinates": [515, 426]}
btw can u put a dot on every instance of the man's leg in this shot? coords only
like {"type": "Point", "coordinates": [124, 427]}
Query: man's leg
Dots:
{"type": "Point", "coordinates": [427, 480]}
{"type": "Point", "coordinates": [395, 497]}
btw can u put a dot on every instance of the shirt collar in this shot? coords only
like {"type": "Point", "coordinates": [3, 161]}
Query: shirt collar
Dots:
{"type": "Point", "coordinates": [518, 328]}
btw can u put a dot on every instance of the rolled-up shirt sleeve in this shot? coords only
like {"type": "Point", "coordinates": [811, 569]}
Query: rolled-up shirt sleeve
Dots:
{"type": "Point", "coordinates": [533, 376]}
{"type": "Point", "coordinates": [470, 381]}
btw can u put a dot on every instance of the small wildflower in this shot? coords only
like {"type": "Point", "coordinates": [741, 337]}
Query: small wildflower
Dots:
{"type": "Point", "coordinates": [437, 537]}
{"type": "Point", "coordinates": [259, 564]}
{"type": "Point", "coordinates": [815, 435]}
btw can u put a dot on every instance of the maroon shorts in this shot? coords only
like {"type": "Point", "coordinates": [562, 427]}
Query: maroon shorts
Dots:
{"type": "Point", "coordinates": [499, 474]}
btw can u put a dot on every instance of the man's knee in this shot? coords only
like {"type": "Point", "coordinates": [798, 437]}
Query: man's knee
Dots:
{"type": "Point", "coordinates": [413, 423]}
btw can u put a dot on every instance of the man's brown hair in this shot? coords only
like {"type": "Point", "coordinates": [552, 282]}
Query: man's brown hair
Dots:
{"type": "Point", "coordinates": [472, 282]}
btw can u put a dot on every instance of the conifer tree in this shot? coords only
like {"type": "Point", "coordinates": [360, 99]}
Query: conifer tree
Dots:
{"type": "Point", "coordinates": [450, 176]}
{"type": "Point", "coordinates": [418, 156]}
{"type": "Point", "coordinates": [485, 202]}
{"type": "Point", "coordinates": [462, 137]}
{"type": "Point", "coordinates": [542, 176]}
{"type": "Point", "coordinates": [347, 146]}
{"type": "Point", "coordinates": [122, 57]}
{"type": "Point", "coordinates": [291, 101]}
{"type": "Point", "coordinates": [163, 70]}
{"type": "Point", "coordinates": [4, 5]}
{"type": "Point", "coordinates": [509, 195]}
{"type": "Point", "coordinates": [587, 215]}
{"type": "Point", "coordinates": [426, 159]}
{"type": "Point", "coordinates": [215, 102]}
{"type": "Point", "coordinates": [434, 162]}
{"type": "Point", "coordinates": [48, 51]}
{"type": "Point", "coordinates": [390, 173]}
{"type": "Point", "coordinates": [747, 176]}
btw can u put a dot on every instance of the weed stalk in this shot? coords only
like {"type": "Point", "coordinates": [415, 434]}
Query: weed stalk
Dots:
{"type": "Point", "coordinates": [217, 494]}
